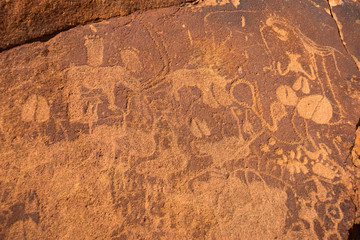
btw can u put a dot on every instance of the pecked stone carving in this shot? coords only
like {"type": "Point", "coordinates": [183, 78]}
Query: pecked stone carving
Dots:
{"type": "Point", "coordinates": [223, 120]}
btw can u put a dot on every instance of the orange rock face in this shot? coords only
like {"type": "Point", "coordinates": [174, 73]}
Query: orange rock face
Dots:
{"type": "Point", "coordinates": [24, 21]}
{"type": "Point", "coordinates": [222, 120]}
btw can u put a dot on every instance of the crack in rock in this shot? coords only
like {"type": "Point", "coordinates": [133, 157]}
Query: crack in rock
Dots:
{"type": "Point", "coordinates": [332, 3]}
{"type": "Point", "coordinates": [46, 20]}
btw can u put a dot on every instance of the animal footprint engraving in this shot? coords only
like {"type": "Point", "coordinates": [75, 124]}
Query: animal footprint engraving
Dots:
{"type": "Point", "coordinates": [322, 165]}
{"type": "Point", "coordinates": [315, 107]}
{"type": "Point", "coordinates": [35, 109]}
{"type": "Point", "coordinates": [293, 161]}
{"type": "Point", "coordinates": [303, 84]}
{"type": "Point", "coordinates": [324, 170]}
{"type": "Point", "coordinates": [286, 95]}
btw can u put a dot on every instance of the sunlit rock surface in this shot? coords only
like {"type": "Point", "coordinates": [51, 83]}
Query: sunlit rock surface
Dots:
{"type": "Point", "coordinates": [221, 120]}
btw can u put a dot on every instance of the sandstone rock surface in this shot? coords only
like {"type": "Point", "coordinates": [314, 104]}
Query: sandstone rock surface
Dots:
{"type": "Point", "coordinates": [23, 21]}
{"type": "Point", "coordinates": [346, 14]}
{"type": "Point", "coordinates": [224, 120]}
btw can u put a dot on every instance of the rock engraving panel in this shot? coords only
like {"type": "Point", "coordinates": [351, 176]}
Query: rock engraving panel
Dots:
{"type": "Point", "coordinates": [235, 127]}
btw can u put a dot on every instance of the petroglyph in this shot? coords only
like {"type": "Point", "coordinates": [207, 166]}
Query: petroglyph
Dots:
{"type": "Point", "coordinates": [95, 48]}
{"type": "Point", "coordinates": [199, 128]}
{"type": "Point", "coordinates": [131, 60]}
{"type": "Point", "coordinates": [293, 162]}
{"type": "Point", "coordinates": [221, 120]}
{"type": "Point", "coordinates": [324, 171]}
{"type": "Point", "coordinates": [315, 107]}
{"type": "Point", "coordinates": [219, 197]}
{"type": "Point", "coordinates": [294, 65]}
{"type": "Point", "coordinates": [136, 142]}
{"type": "Point", "coordinates": [212, 86]}
{"type": "Point", "coordinates": [304, 65]}
{"type": "Point", "coordinates": [303, 84]}
{"type": "Point", "coordinates": [234, 3]}
{"type": "Point", "coordinates": [286, 95]}
{"type": "Point", "coordinates": [224, 150]}
{"type": "Point", "coordinates": [334, 3]}
{"type": "Point", "coordinates": [88, 84]}
{"type": "Point", "coordinates": [36, 109]}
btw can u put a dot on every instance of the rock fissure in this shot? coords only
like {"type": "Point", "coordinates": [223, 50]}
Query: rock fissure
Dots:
{"type": "Point", "coordinates": [338, 26]}
{"type": "Point", "coordinates": [16, 31]}
{"type": "Point", "coordinates": [355, 158]}
{"type": "Point", "coordinates": [48, 37]}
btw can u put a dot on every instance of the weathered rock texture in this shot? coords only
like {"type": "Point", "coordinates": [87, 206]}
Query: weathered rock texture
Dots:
{"type": "Point", "coordinates": [27, 20]}
{"type": "Point", "coordinates": [347, 17]}
{"type": "Point", "coordinates": [224, 120]}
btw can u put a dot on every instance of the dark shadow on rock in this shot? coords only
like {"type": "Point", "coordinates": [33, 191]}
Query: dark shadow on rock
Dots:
{"type": "Point", "coordinates": [354, 232]}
